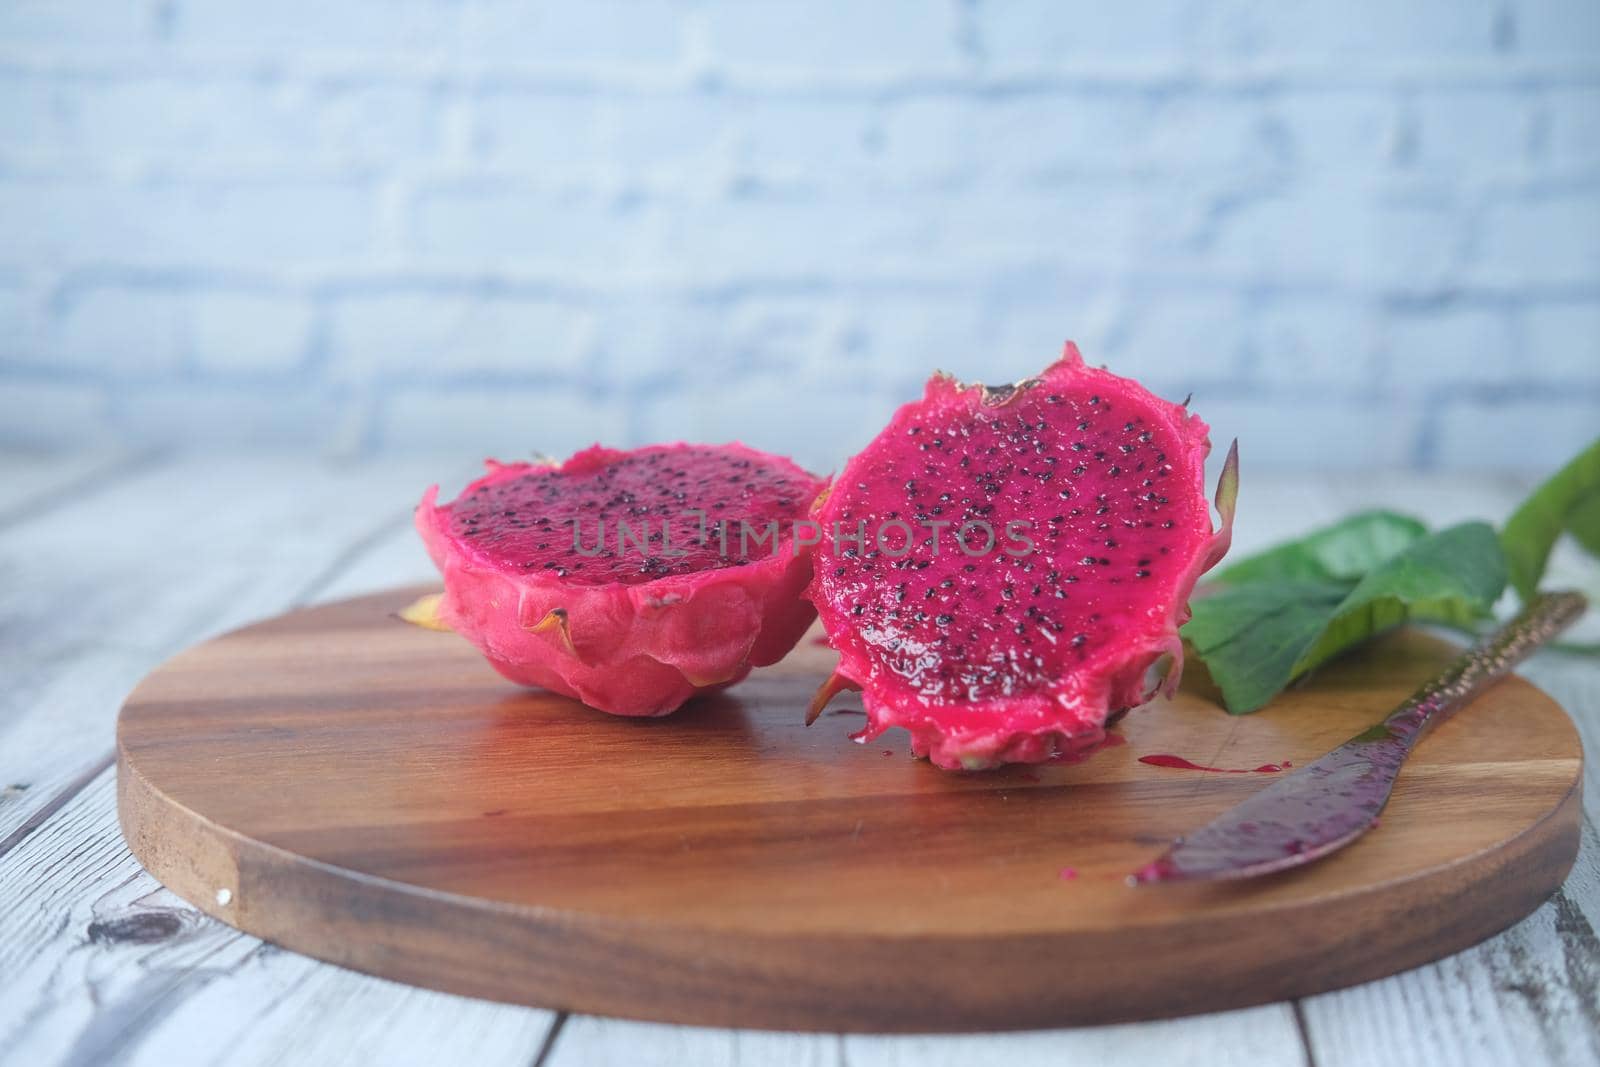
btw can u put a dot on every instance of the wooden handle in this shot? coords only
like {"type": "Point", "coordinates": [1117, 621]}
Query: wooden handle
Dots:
{"type": "Point", "coordinates": [1493, 658]}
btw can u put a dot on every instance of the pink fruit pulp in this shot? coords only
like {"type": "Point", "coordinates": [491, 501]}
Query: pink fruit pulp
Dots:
{"type": "Point", "coordinates": [635, 628]}
{"type": "Point", "coordinates": [1000, 657]}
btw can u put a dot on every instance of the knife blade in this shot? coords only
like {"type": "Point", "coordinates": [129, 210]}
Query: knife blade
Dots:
{"type": "Point", "coordinates": [1329, 803]}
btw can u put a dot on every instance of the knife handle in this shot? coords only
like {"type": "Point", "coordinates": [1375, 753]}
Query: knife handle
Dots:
{"type": "Point", "coordinates": [1492, 658]}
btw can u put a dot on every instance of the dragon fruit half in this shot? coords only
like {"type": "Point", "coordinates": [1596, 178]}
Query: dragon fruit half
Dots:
{"type": "Point", "coordinates": [1004, 568]}
{"type": "Point", "coordinates": [629, 580]}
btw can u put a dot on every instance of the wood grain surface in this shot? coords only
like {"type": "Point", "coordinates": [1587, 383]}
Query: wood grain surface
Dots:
{"type": "Point", "coordinates": [375, 796]}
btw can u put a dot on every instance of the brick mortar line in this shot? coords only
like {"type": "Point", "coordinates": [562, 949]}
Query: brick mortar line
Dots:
{"type": "Point", "coordinates": [1159, 74]}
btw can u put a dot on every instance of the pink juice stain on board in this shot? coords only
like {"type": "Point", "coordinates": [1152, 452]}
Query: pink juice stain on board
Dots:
{"type": "Point", "coordinates": [1179, 763]}
{"type": "Point", "coordinates": [1068, 874]}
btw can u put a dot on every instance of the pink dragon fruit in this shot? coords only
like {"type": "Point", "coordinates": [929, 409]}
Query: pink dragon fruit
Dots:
{"type": "Point", "coordinates": [1004, 568]}
{"type": "Point", "coordinates": [629, 580]}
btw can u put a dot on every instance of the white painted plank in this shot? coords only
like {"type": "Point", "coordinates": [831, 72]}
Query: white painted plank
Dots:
{"type": "Point", "coordinates": [1574, 682]}
{"type": "Point", "coordinates": [101, 964]}
{"type": "Point", "coordinates": [102, 961]}
{"type": "Point", "coordinates": [30, 481]}
{"type": "Point", "coordinates": [1253, 1036]}
{"type": "Point", "coordinates": [101, 590]}
{"type": "Point", "coordinates": [1531, 995]}
{"type": "Point", "coordinates": [199, 991]}
{"type": "Point", "coordinates": [1440, 499]}
{"type": "Point", "coordinates": [1257, 1035]}
{"type": "Point", "coordinates": [590, 1041]}
{"type": "Point", "coordinates": [397, 558]}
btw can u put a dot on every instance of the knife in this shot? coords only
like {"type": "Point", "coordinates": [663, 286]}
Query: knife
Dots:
{"type": "Point", "coordinates": [1326, 805]}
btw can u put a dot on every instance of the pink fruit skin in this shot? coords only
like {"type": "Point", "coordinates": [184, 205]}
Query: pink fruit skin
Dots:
{"type": "Point", "coordinates": [638, 649]}
{"type": "Point", "coordinates": [909, 671]}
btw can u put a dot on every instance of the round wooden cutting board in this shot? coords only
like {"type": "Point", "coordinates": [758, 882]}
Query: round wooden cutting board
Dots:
{"type": "Point", "coordinates": [374, 795]}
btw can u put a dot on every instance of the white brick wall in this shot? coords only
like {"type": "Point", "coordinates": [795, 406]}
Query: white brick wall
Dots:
{"type": "Point", "coordinates": [1363, 233]}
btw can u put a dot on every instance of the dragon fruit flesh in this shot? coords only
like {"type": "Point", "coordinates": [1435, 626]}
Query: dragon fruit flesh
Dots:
{"type": "Point", "coordinates": [1004, 568]}
{"type": "Point", "coordinates": [629, 580]}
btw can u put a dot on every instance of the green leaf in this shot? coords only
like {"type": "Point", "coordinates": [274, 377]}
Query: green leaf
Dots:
{"type": "Point", "coordinates": [1256, 637]}
{"type": "Point", "coordinates": [1569, 502]}
{"type": "Point", "coordinates": [1344, 551]}
{"type": "Point", "coordinates": [1250, 636]}
{"type": "Point", "coordinates": [1583, 523]}
{"type": "Point", "coordinates": [1454, 577]}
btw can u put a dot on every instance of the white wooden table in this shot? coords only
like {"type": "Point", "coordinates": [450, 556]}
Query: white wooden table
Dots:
{"type": "Point", "coordinates": [111, 563]}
